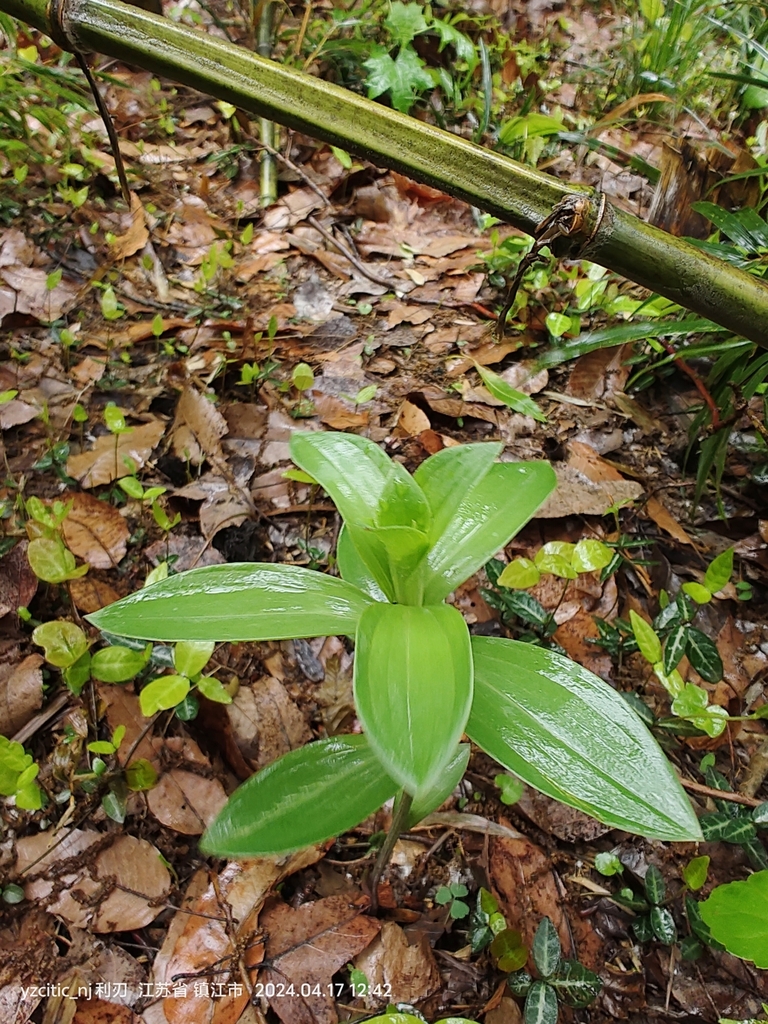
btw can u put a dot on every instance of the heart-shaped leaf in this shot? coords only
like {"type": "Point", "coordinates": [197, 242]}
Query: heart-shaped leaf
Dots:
{"type": "Point", "coordinates": [304, 797]}
{"type": "Point", "coordinates": [570, 735]}
{"type": "Point", "coordinates": [248, 601]}
{"type": "Point", "coordinates": [413, 688]}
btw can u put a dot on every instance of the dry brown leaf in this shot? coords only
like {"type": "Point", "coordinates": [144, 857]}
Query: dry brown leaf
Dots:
{"type": "Point", "coordinates": [134, 864]}
{"type": "Point", "coordinates": [198, 939]}
{"type": "Point", "coordinates": [523, 879]}
{"type": "Point", "coordinates": [338, 413]}
{"type": "Point", "coordinates": [308, 946]}
{"type": "Point", "coordinates": [24, 288]}
{"type": "Point", "coordinates": [21, 690]}
{"type": "Point", "coordinates": [599, 374]}
{"type": "Point", "coordinates": [558, 819]}
{"type": "Point", "coordinates": [137, 235]}
{"type": "Point", "coordinates": [198, 428]}
{"type": "Point", "coordinates": [98, 1011]}
{"type": "Point", "coordinates": [401, 312]}
{"type": "Point", "coordinates": [96, 532]}
{"type": "Point", "coordinates": [90, 594]}
{"type": "Point", "coordinates": [666, 521]}
{"type": "Point", "coordinates": [89, 370]}
{"type": "Point", "coordinates": [409, 973]}
{"type": "Point", "coordinates": [16, 412]}
{"type": "Point", "coordinates": [292, 209]}
{"type": "Point", "coordinates": [577, 494]}
{"type": "Point", "coordinates": [105, 461]}
{"type": "Point", "coordinates": [438, 401]}
{"type": "Point", "coordinates": [18, 584]}
{"type": "Point", "coordinates": [185, 801]}
{"type": "Point", "coordinates": [411, 420]}
{"type": "Point", "coordinates": [266, 723]}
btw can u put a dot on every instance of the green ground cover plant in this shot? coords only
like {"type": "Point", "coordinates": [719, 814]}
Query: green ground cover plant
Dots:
{"type": "Point", "coordinates": [421, 681]}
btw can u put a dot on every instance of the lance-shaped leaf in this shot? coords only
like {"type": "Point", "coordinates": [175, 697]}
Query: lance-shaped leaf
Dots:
{"type": "Point", "coordinates": [304, 797]}
{"type": "Point", "coordinates": [385, 510]}
{"type": "Point", "coordinates": [487, 517]}
{"type": "Point", "coordinates": [354, 570]}
{"type": "Point", "coordinates": [429, 799]}
{"type": "Point", "coordinates": [568, 734]}
{"type": "Point", "coordinates": [248, 601]}
{"type": "Point", "coordinates": [413, 688]}
{"type": "Point", "coordinates": [447, 478]}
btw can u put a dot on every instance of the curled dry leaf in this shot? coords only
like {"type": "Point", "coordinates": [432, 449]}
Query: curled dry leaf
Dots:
{"type": "Point", "coordinates": [666, 521]}
{"type": "Point", "coordinates": [16, 412]}
{"type": "Point", "coordinates": [198, 428]}
{"type": "Point", "coordinates": [308, 946]}
{"type": "Point", "coordinates": [23, 287]}
{"type": "Point", "coordinates": [21, 690]}
{"type": "Point", "coordinates": [410, 971]}
{"type": "Point", "coordinates": [101, 882]}
{"type": "Point", "coordinates": [411, 420]}
{"type": "Point", "coordinates": [105, 462]}
{"type": "Point", "coordinates": [90, 594]}
{"type": "Point", "coordinates": [96, 532]}
{"type": "Point", "coordinates": [137, 235]}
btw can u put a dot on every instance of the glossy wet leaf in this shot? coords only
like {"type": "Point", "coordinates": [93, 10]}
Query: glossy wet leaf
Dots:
{"type": "Point", "coordinates": [520, 983]}
{"type": "Point", "coordinates": [591, 556]}
{"type": "Point", "coordinates": [430, 799]}
{"type": "Point", "coordinates": [575, 984]}
{"type": "Point", "coordinates": [191, 656]}
{"type": "Point", "coordinates": [704, 655]}
{"type": "Point", "coordinates": [568, 734]}
{"type": "Point", "coordinates": [663, 925]}
{"type": "Point", "coordinates": [64, 643]}
{"type": "Point", "coordinates": [447, 477]}
{"type": "Point", "coordinates": [413, 688]}
{"type": "Point", "coordinates": [674, 647]}
{"type": "Point", "coordinates": [304, 797]}
{"type": "Point", "coordinates": [247, 601]}
{"type": "Point", "coordinates": [162, 694]}
{"type": "Point", "coordinates": [213, 690]}
{"type": "Point", "coordinates": [354, 570]}
{"type": "Point", "coordinates": [546, 948]}
{"type": "Point", "coordinates": [655, 886]}
{"type": "Point", "coordinates": [701, 595]}
{"type": "Point", "coordinates": [140, 775]}
{"type": "Point", "coordinates": [499, 505]}
{"type": "Point", "coordinates": [118, 664]}
{"type": "Point", "coordinates": [540, 1004]}
{"type": "Point", "coordinates": [519, 575]}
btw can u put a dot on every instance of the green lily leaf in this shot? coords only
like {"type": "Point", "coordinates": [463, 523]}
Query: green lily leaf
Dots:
{"type": "Point", "coordinates": [499, 505]}
{"type": "Point", "coordinates": [354, 570]}
{"type": "Point", "coordinates": [304, 797]}
{"type": "Point", "coordinates": [568, 734]}
{"type": "Point", "coordinates": [427, 800]}
{"type": "Point", "coordinates": [447, 477]}
{"type": "Point", "coordinates": [240, 601]}
{"type": "Point", "coordinates": [413, 688]}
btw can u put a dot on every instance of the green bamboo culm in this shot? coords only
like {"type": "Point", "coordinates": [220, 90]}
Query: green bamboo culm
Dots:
{"type": "Point", "coordinates": [516, 194]}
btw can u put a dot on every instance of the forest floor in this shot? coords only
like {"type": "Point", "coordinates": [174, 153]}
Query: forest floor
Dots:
{"type": "Point", "coordinates": [189, 315]}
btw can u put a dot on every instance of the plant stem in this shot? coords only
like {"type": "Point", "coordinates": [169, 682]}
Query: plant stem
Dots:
{"type": "Point", "coordinates": [399, 821]}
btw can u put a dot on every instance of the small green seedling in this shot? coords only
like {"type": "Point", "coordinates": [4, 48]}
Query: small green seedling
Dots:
{"type": "Point", "coordinates": [488, 927]}
{"type": "Point", "coordinates": [49, 557]}
{"type": "Point", "coordinates": [653, 921]}
{"type": "Point", "coordinates": [451, 896]}
{"type": "Point", "coordinates": [421, 681]}
{"type": "Point", "coordinates": [559, 980]}
{"type": "Point", "coordinates": [176, 691]}
{"type": "Point", "coordinates": [17, 776]}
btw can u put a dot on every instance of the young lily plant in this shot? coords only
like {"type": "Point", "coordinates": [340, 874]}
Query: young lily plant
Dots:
{"type": "Point", "coordinates": [421, 682]}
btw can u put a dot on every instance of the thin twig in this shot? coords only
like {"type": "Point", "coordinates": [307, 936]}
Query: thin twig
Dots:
{"type": "Point", "coordinates": [719, 794]}
{"type": "Point", "coordinates": [348, 254]}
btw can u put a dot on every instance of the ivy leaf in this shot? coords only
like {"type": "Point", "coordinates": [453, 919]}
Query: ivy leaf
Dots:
{"type": "Point", "coordinates": [404, 78]}
{"type": "Point", "coordinates": [575, 984]}
{"type": "Point", "coordinates": [695, 872]}
{"type": "Point", "coordinates": [663, 925]}
{"type": "Point", "coordinates": [540, 1004]}
{"type": "Point", "coordinates": [674, 648]}
{"type": "Point", "coordinates": [655, 886]}
{"type": "Point", "coordinates": [450, 36]}
{"type": "Point", "coordinates": [721, 826]}
{"type": "Point", "coordinates": [405, 21]}
{"type": "Point", "coordinates": [704, 656]}
{"type": "Point", "coordinates": [546, 948]}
